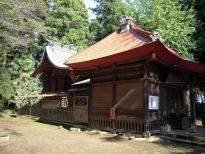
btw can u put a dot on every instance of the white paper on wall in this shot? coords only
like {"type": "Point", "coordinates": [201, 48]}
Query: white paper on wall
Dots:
{"type": "Point", "coordinates": [153, 102]}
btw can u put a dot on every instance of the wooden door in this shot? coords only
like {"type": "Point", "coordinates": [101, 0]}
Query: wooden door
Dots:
{"type": "Point", "coordinates": [81, 109]}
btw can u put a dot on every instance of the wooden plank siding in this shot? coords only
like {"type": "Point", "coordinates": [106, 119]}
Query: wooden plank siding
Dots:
{"type": "Point", "coordinates": [51, 108]}
{"type": "Point", "coordinates": [130, 84]}
{"type": "Point", "coordinates": [119, 72]}
{"type": "Point", "coordinates": [132, 93]}
{"type": "Point", "coordinates": [125, 84]}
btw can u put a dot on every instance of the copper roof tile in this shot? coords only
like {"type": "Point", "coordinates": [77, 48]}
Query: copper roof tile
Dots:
{"type": "Point", "coordinates": [113, 44]}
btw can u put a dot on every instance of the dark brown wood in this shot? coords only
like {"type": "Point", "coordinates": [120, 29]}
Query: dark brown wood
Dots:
{"type": "Point", "coordinates": [146, 95]}
{"type": "Point", "coordinates": [192, 103]}
{"type": "Point", "coordinates": [121, 125]}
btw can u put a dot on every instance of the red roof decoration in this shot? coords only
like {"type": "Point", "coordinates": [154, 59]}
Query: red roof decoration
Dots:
{"type": "Point", "coordinates": [135, 44]}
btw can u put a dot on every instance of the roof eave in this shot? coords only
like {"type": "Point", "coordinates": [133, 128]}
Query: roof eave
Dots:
{"type": "Point", "coordinates": [142, 53]}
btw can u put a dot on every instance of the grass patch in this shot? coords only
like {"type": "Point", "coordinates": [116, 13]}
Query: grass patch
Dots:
{"type": "Point", "coordinates": [8, 113]}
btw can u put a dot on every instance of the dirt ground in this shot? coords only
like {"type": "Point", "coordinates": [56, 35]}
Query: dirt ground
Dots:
{"type": "Point", "coordinates": [32, 137]}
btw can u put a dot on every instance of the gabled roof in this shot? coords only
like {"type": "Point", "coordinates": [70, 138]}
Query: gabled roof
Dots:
{"type": "Point", "coordinates": [136, 44]}
{"type": "Point", "coordinates": [55, 56]}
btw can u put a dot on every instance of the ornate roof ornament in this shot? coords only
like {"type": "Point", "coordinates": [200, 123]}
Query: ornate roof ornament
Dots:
{"type": "Point", "coordinates": [156, 36]}
{"type": "Point", "coordinates": [125, 23]}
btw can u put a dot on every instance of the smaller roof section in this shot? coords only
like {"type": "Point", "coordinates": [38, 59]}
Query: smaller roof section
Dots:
{"type": "Point", "coordinates": [54, 56]}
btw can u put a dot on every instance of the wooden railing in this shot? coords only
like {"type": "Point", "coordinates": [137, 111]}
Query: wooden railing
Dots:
{"type": "Point", "coordinates": [155, 124]}
{"type": "Point", "coordinates": [59, 114]}
{"type": "Point", "coordinates": [96, 121]}
{"type": "Point", "coordinates": [122, 125]}
{"type": "Point", "coordinates": [105, 123]}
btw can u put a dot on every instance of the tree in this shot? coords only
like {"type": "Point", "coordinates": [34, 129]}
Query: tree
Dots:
{"type": "Point", "coordinates": [6, 88]}
{"type": "Point", "coordinates": [31, 86]}
{"type": "Point", "coordinates": [68, 22]}
{"type": "Point", "coordinates": [108, 14]}
{"type": "Point", "coordinates": [62, 21]}
{"type": "Point", "coordinates": [175, 24]}
{"type": "Point", "coordinates": [23, 83]}
{"type": "Point", "coordinates": [19, 20]}
{"type": "Point", "coordinates": [199, 35]}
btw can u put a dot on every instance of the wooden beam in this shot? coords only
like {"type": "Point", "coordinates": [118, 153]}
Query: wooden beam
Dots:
{"type": "Point", "coordinates": [43, 95]}
{"type": "Point", "coordinates": [114, 86]}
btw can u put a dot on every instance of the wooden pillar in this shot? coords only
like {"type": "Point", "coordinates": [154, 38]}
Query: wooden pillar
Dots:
{"type": "Point", "coordinates": [90, 100]}
{"type": "Point", "coordinates": [186, 101]}
{"type": "Point", "coordinates": [74, 95]}
{"type": "Point", "coordinates": [192, 104]}
{"type": "Point", "coordinates": [114, 85]}
{"type": "Point", "coordinates": [146, 101]}
{"type": "Point", "coordinates": [203, 115]}
{"type": "Point", "coordinates": [146, 106]}
{"type": "Point", "coordinates": [114, 92]}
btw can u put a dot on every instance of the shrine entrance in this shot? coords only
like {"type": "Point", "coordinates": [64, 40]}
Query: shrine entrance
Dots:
{"type": "Point", "coordinates": [80, 109]}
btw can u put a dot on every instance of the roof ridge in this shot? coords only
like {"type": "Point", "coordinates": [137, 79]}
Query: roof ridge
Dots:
{"type": "Point", "coordinates": [139, 29]}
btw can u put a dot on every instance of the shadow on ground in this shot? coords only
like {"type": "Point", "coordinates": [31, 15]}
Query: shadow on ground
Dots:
{"type": "Point", "coordinates": [116, 138]}
{"type": "Point", "coordinates": [54, 123]}
{"type": "Point", "coordinates": [180, 148]}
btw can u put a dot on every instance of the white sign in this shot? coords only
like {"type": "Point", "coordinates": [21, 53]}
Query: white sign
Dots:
{"type": "Point", "coordinates": [153, 102]}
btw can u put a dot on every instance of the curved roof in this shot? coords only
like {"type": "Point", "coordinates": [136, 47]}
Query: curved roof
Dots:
{"type": "Point", "coordinates": [56, 56]}
{"type": "Point", "coordinates": [112, 44]}
{"type": "Point", "coordinates": [136, 44]}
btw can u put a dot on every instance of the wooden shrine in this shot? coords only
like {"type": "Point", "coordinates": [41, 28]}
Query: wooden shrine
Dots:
{"type": "Point", "coordinates": [64, 99]}
{"type": "Point", "coordinates": [137, 83]}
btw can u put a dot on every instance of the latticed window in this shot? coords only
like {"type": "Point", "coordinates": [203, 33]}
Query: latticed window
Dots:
{"type": "Point", "coordinates": [66, 101]}
{"type": "Point", "coordinates": [81, 100]}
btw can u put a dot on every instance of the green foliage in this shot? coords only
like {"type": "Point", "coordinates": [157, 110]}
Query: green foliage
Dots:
{"type": "Point", "coordinates": [7, 113]}
{"type": "Point", "coordinates": [168, 18]}
{"type": "Point", "coordinates": [19, 20]}
{"type": "Point", "coordinates": [30, 86]}
{"type": "Point", "coordinates": [6, 88]}
{"type": "Point", "coordinates": [108, 14]}
{"type": "Point", "coordinates": [25, 85]}
{"type": "Point", "coordinates": [68, 22]}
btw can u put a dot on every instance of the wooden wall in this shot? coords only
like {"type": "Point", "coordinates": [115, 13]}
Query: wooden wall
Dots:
{"type": "Point", "coordinates": [102, 95]}
{"type": "Point", "coordinates": [168, 84]}
{"type": "Point", "coordinates": [119, 72]}
{"type": "Point", "coordinates": [130, 94]}
{"type": "Point", "coordinates": [50, 102]}
{"type": "Point", "coordinates": [171, 99]}
{"type": "Point", "coordinates": [56, 81]}
{"type": "Point", "coordinates": [153, 90]}
{"type": "Point", "coordinates": [120, 83]}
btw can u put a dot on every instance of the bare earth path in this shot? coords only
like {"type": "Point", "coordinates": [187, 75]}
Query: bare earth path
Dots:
{"type": "Point", "coordinates": [30, 137]}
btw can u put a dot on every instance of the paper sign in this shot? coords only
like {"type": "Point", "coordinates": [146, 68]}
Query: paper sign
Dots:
{"type": "Point", "coordinates": [153, 102]}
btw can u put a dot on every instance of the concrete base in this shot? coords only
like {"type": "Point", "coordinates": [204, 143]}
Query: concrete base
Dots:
{"type": "Point", "coordinates": [165, 129]}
